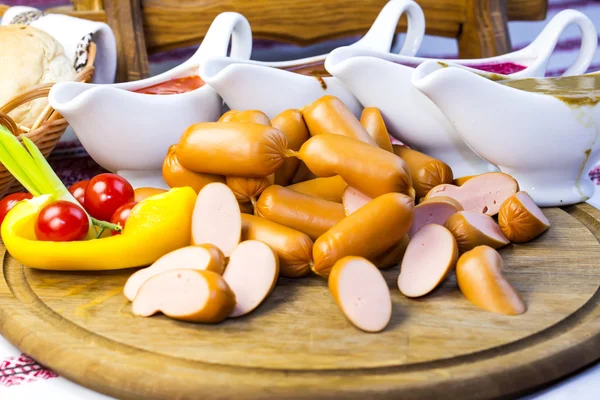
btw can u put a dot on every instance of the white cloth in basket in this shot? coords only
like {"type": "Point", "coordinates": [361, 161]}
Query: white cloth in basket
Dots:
{"type": "Point", "coordinates": [75, 34]}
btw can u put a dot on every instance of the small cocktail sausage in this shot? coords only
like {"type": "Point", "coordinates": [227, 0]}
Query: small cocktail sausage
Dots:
{"type": "Point", "coordinates": [176, 175]}
{"type": "Point", "coordinates": [483, 193]}
{"type": "Point", "coordinates": [330, 189]}
{"type": "Point", "coordinates": [186, 295]}
{"type": "Point", "coordinates": [293, 247]}
{"type": "Point", "coordinates": [204, 257]}
{"type": "Point", "coordinates": [368, 232]}
{"type": "Point", "coordinates": [143, 193]}
{"type": "Point", "coordinates": [426, 172]}
{"type": "Point", "coordinates": [430, 256]}
{"type": "Point", "coordinates": [435, 210]}
{"type": "Point", "coordinates": [228, 115]}
{"type": "Point", "coordinates": [251, 273]}
{"type": "Point", "coordinates": [255, 116]}
{"type": "Point", "coordinates": [247, 190]}
{"type": "Point", "coordinates": [392, 256]}
{"type": "Point", "coordinates": [216, 218]}
{"type": "Point", "coordinates": [472, 229]}
{"type": "Point", "coordinates": [291, 124]}
{"type": "Point", "coordinates": [520, 219]}
{"type": "Point", "coordinates": [479, 274]}
{"type": "Point", "coordinates": [232, 149]}
{"type": "Point", "coordinates": [307, 214]}
{"type": "Point", "coordinates": [361, 292]}
{"type": "Point", "coordinates": [373, 123]}
{"type": "Point", "coordinates": [330, 115]}
{"type": "Point", "coordinates": [367, 168]}
{"type": "Point", "coordinates": [353, 199]}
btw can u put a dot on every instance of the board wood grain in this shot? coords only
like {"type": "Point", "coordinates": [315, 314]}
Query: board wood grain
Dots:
{"type": "Point", "coordinates": [299, 345]}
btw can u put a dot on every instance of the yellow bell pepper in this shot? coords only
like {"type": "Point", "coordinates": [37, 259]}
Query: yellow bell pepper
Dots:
{"type": "Point", "coordinates": [155, 227]}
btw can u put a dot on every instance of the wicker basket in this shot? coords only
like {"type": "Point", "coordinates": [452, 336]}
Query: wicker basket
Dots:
{"type": "Point", "coordinates": [48, 127]}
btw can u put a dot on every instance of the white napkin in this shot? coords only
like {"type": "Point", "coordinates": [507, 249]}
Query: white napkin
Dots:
{"type": "Point", "coordinates": [75, 35]}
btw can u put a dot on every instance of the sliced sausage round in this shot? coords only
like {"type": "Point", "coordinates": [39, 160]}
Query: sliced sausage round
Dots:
{"type": "Point", "coordinates": [361, 292]}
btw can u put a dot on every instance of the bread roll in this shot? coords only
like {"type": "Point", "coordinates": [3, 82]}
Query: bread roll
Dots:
{"type": "Point", "coordinates": [29, 57]}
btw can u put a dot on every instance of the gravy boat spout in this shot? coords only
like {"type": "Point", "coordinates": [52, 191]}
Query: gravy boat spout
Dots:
{"type": "Point", "coordinates": [545, 141]}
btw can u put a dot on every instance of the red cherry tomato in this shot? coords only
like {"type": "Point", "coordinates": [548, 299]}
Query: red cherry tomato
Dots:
{"type": "Point", "coordinates": [61, 221]}
{"type": "Point", "coordinates": [105, 193]}
{"type": "Point", "coordinates": [78, 191]}
{"type": "Point", "coordinates": [120, 216]}
{"type": "Point", "coordinates": [7, 203]}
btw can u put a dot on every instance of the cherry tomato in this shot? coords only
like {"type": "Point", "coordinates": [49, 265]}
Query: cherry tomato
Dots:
{"type": "Point", "coordinates": [61, 221]}
{"type": "Point", "coordinates": [7, 203]}
{"type": "Point", "coordinates": [120, 216]}
{"type": "Point", "coordinates": [78, 191]}
{"type": "Point", "coordinates": [105, 193]}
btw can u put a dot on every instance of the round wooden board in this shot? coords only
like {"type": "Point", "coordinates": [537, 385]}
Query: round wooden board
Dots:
{"type": "Point", "coordinates": [299, 345]}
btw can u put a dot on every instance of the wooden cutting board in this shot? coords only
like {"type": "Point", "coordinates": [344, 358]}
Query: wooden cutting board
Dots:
{"type": "Point", "coordinates": [299, 345]}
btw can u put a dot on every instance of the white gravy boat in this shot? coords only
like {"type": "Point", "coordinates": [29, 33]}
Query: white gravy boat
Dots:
{"type": "Point", "coordinates": [383, 80]}
{"type": "Point", "coordinates": [271, 86]}
{"type": "Point", "coordinates": [547, 144]}
{"type": "Point", "coordinates": [128, 132]}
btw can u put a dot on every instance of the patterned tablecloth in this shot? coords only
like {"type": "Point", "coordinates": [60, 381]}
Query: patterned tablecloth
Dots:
{"type": "Point", "coordinates": [23, 378]}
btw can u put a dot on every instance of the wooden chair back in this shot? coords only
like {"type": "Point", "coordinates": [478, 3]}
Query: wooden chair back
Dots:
{"type": "Point", "coordinates": [144, 27]}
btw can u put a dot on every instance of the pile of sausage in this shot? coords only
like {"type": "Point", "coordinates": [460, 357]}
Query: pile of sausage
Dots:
{"type": "Point", "coordinates": [317, 189]}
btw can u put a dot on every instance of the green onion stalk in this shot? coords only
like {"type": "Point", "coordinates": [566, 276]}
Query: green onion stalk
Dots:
{"type": "Point", "coordinates": [29, 166]}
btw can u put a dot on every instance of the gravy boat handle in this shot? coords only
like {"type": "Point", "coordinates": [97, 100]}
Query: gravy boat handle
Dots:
{"type": "Point", "coordinates": [543, 46]}
{"type": "Point", "coordinates": [226, 26]}
{"type": "Point", "coordinates": [382, 32]}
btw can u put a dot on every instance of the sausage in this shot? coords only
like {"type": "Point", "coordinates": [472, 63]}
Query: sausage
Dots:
{"type": "Point", "coordinates": [176, 175]}
{"type": "Point", "coordinates": [373, 123]}
{"type": "Point", "coordinates": [472, 229]}
{"type": "Point", "coordinates": [310, 215]}
{"type": "Point", "coordinates": [143, 193]}
{"type": "Point", "coordinates": [247, 190]}
{"type": "Point", "coordinates": [429, 258]}
{"type": "Point", "coordinates": [392, 256]}
{"type": "Point", "coordinates": [228, 115]}
{"type": "Point", "coordinates": [216, 218]}
{"type": "Point", "coordinates": [369, 169]}
{"type": "Point", "coordinates": [520, 219]}
{"type": "Point", "coordinates": [186, 295]}
{"type": "Point", "coordinates": [204, 257]}
{"type": "Point", "coordinates": [479, 274]}
{"type": "Point", "coordinates": [293, 247]}
{"type": "Point", "coordinates": [367, 233]}
{"type": "Point", "coordinates": [426, 172]}
{"type": "Point", "coordinates": [291, 124]}
{"type": "Point", "coordinates": [330, 189]}
{"type": "Point", "coordinates": [353, 199]}
{"type": "Point", "coordinates": [232, 149]}
{"type": "Point", "coordinates": [303, 174]}
{"type": "Point", "coordinates": [361, 292]}
{"type": "Point", "coordinates": [435, 210]}
{"type": "Point", "coordinates": [483, 193]}
{"type": "Point", "coordinates": [330, 115]}
{"type": "Point", "coordinates": [461, 181]}
{"type": "Point", "coordinates": [255, 116]}
{"type": "Point", "coordinates": [251, 273]}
